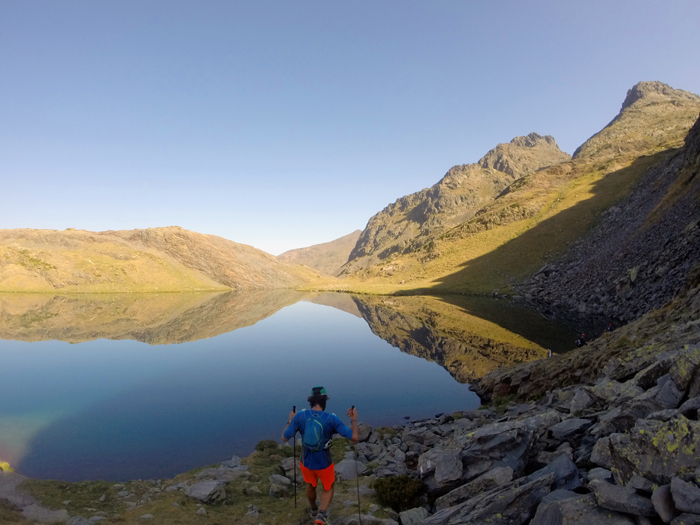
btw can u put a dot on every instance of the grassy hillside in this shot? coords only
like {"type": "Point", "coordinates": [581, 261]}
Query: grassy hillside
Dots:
{"type": "Point", "coordinates": [327, 257]}
{"type": "Point", "coordinates": [152, 260]}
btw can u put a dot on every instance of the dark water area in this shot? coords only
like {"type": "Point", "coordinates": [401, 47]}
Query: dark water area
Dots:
{"type": "Point", "coordinates": [149, 387]}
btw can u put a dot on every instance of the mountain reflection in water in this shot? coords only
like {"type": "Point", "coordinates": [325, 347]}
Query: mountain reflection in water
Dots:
{"type": "Point", "coordinates": [468, 336]}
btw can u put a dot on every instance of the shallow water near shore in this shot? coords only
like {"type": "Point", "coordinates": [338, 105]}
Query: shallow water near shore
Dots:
{"type": "Point", "coordinates": [118, 388]}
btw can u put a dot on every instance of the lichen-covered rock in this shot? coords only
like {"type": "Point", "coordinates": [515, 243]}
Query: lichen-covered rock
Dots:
{"type": "Point", "coordinates": [656, 450]}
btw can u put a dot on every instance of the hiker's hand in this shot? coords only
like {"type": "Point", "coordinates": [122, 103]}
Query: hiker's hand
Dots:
{"type": "Point", "coordinates": [291, 415]}
{"type": "Point", "coordinates": [352, 413]}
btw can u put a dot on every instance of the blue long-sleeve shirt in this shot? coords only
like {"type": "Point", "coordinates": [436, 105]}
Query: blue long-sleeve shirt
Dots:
{"type": "Point", "coordinates": [331, 425]}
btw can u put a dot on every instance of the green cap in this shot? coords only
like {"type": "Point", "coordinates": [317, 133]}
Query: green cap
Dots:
{"type": "Point", "coordinates": [318, 390]}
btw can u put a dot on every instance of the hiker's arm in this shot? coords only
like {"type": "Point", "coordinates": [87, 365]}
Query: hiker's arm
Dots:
{"type": "Point", "coordinates": [284, 432]}
{"type": "Point", "coordinates": [352, 414]}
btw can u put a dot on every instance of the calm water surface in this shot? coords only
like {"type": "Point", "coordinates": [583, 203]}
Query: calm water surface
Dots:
{"type": "Point", "coordinates": [124, 409]}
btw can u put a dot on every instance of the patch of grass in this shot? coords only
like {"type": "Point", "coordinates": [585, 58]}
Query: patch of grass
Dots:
{"type": "Point", "coordinates": [10, 515]}
{"type": "Point", "coordinates": [399, 492]}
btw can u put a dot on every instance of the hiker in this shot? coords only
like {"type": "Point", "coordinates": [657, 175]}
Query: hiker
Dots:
{"type": "Point", "coordinates": [316, 428]}
{"type": "Point", "coordinates": [610, 327]}
{"type": "Point", "coordinates": [581, 341]}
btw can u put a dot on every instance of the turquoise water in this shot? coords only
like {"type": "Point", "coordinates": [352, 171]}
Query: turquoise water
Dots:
{"type": "Point", "coordinates": [122, 409]}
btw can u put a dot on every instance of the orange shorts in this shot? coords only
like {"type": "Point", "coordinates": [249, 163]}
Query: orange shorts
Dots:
{"type": "Point", "coordinates": [326, 475]}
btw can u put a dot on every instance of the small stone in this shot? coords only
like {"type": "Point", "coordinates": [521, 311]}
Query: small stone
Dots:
{"type": "Point", "coordinates": [202, 512]}
{"type": "Point", "coordinates": [146, 517]}
{"type": "Point", "coordinates": [103, 498]}
{"type": "Point", "coordinates": [253, 511]}
{"type": "Point", "coordinates": [65, 503]}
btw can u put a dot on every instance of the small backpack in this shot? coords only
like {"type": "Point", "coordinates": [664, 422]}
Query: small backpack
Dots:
{"type": "Point", "coordinates": [313, 439]}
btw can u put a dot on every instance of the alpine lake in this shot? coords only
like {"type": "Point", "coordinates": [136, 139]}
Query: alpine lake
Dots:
{"type": "Point", "coordinates": [131, 386]}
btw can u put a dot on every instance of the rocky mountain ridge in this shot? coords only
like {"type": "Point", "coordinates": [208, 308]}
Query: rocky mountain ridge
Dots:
{"type": "Point", "coordinates": [405, 225]}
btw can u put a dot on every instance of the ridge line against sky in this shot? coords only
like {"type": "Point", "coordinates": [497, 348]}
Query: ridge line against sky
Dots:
{"type": "Point", "coordinates": [285, 125]}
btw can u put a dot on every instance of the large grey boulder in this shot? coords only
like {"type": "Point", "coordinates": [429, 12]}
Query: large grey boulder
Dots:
{"type": "Point", "coordinates": [686, 496]}
{"type": "Point", "coordinates": [581, 401]}
{"type": "Point", "coordinates": [576, 509]}
{"type": "Point", "coordinates": [348, 469]}
{"type": "Point", "coordinates": [440, 468]}
{"type": "Point", "coordinates": [38, 514]}
{"type": "Point", "coordinates": [279, 486]}
{"type": "Point", "coordinates": [207, 491]}
{"type": "Point", "coordinates": [684, 367]}
{"type": "Point", "coordinates": [669, 396]}
{"type": "Point", "coordinates": [690, 408]}
{"type": "Point", "coordinates": [569, 427]}
{"type": "Point", "coordinates": [489, 480]}
{"type": "Point", "coordinates": [600, 455]}
{"type": "Point", "coordinates": [364, 430]}
{"type": "Point", "coordinates": [413, 516]}
{"type": "Point", "coordinates": [511, 505]}
{"type": "Point", "coordinates": [621, 499]}
{"type": "Point", "coordinates": [565, 473]}
{"type": "Point", "coordinates": [663, 503]}
{"type": "Point", "coordinates": [656, 450]}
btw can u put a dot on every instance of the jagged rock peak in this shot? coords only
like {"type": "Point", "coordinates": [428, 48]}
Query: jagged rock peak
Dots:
{"type": "Point", "coordinates": [531, 140]}
{"type": "Point", "coordinates": [655, 89]}
{"type": "Point", "coordinates": [524, 154]}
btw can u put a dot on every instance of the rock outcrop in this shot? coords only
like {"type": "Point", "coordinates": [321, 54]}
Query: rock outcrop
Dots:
{"type": "Point", "coordinates": [405, 225]}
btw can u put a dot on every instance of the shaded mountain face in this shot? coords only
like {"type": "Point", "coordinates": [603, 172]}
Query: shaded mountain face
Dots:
{"type": "Point", "coordinates": [642, 251]}
{"type": "Point", "coordinates": [151, 260]}
{"type": "Point", "coordinates": [327, 257]}
{"type": "Point", "coordinates": [407, 224]}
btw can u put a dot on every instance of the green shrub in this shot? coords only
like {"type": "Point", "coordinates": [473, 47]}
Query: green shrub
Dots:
{"type": "Point", "coordinates": [267, 445]}
{"type": "Point", "coordinates": [399, 492]}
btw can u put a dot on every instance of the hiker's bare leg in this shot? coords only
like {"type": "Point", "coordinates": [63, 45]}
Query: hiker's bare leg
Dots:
{"type": "Point", "coordinates": [326, 497]}
{"type": "Point", "coordinates": [311, 494]}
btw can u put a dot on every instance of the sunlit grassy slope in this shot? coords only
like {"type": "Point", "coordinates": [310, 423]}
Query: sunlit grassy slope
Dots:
{"type": "Point", "coordinates": [152, 260]}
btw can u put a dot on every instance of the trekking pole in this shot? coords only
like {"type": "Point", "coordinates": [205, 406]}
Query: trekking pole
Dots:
{"type": "Point", "coordinates": [294, 465]}
{"type": "Point", "coordinates": [357, 481]}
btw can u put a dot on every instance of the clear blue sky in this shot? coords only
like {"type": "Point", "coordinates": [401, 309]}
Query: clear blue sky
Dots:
{"type": "Point", "coordinates": [283, 124]}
